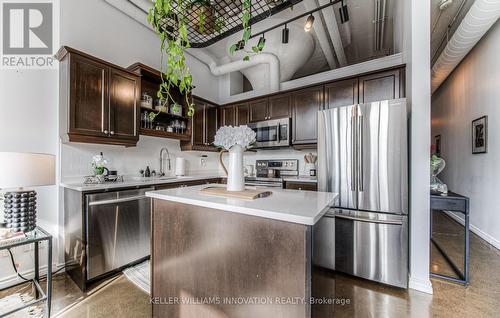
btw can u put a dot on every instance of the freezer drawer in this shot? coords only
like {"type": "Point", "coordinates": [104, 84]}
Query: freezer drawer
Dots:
{"type": "Point", "coordinates": [372, 246]}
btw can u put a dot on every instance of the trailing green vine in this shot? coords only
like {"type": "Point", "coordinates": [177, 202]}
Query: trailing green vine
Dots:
{"type": "Point", "coordinates": [173, 45]}
{"type": "Point", "coordinates": [247, 33]}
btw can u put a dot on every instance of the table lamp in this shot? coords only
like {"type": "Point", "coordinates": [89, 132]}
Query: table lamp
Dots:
{"type": "Point", "coordinates": [19, 170]}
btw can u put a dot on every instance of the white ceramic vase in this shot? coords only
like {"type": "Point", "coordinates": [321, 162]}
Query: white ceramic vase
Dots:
{"type": "Point", "coordinates": [235, 171]}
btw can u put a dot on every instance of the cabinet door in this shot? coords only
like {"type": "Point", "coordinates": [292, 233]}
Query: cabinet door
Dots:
{"type": "Point", "coordinates": [380, 86]}
{"type": "Point", "coordinates": [305, 106]}
{"type": "Point", "coordinates": [227, 116]}
{"type": "Point", "coordinates": [198, 123]}
{"type": "Point", "coordinates": [211, 123]}
{"type": "Point", "coordinates": [279, 106]}
{"type": "Point", "coordinates": [88, 109]}
{"type": "Point", "coordinates": [124, 96]}
{"type": "Point", "coordinates": [342, 93]}
{"type": "Point", "coordinates": [242, 114]}
{"type": "Point", "coordinates": [258, 110]}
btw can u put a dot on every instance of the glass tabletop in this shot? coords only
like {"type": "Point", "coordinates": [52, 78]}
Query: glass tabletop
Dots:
{"type": "Point", "coordinates": [37, 235]}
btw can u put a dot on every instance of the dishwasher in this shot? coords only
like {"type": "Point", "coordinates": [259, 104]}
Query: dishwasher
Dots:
{"type": "Point", "coordinates": [118, 230]}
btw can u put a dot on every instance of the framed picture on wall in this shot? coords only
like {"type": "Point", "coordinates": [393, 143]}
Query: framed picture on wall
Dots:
{"type": "Point", "coordinates": [480, 135]}
{"type": "Point", "coordinates": [437, 143]}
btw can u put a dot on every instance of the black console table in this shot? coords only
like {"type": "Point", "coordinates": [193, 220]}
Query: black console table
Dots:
{"type": "Point", "coordinates": [454, 203]}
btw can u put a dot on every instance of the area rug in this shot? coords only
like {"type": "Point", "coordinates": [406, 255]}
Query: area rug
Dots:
{"type": "Point", "coordinates": [139, 275]}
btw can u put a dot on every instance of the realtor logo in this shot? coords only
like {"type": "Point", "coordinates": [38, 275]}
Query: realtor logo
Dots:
{"type": "Point", "coordinates": [27, 33]}
{"type": "Point", "coordinates": [27, 28]}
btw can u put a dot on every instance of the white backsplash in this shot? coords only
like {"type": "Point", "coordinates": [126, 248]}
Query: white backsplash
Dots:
{"type": "Point", "coordinates": [288, 153]}
{"type": "Point", "coordinates": [77, 157]}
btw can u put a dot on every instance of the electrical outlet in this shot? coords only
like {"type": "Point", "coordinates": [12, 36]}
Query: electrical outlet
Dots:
{"type": "Point", "coordinates": [203, 160]}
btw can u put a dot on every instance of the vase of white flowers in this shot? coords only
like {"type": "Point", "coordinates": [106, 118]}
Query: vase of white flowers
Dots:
{"type": "Point", "coordinates": [235, 140]}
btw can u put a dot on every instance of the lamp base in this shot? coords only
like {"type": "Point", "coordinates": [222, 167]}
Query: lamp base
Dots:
{"type": "Point", "coordinates": [20, 210]}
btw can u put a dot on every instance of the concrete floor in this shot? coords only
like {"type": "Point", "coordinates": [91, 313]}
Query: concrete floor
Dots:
{"type": "Point", "coordinates": [117, 297]}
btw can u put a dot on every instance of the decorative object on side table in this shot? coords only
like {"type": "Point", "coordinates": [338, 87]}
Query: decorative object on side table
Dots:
{"type": "Point", "coordinates": [437, 142]}
{"type": "Point", "coordinates": [235, 140]}
{"type": "Point", "coordinates": [437, 166]}
{"type": "Point", "coordinates": [18, 170]}
{"type": "Point", "coordinates": [480, 135]}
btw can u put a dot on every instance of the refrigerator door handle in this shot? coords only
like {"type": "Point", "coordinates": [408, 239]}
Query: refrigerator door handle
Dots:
{"type": "Point", "coordinates": [353, 154]}
{"type": "Point", "coordinates": [360, 154]}
{"type": "Point", "coordinates": [360, 219]}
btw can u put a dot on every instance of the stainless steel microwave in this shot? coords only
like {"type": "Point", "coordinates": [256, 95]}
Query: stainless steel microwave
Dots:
{"type": "Point", "coordinates": [272, 133]}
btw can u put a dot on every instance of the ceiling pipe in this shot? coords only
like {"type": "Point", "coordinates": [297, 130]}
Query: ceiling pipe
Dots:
{"type": "Point", "coordinates": [135, 10]}
{"type": "Point", "coordinates": [333, 29]}
{"type": "Point", "coordinates": [480, 18]}
{"type": "Point", "coordinates": [258, 59]}
{"type": "Point", "coordinates": [321, 34]}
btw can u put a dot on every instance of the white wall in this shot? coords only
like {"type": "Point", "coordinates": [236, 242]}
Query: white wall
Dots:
{"type": "Point", "coordinates": [417, 51]}
{"type": "Point", "coordinates": [472, 91]}
{"type": "Point", "coordinates": [28, 123]}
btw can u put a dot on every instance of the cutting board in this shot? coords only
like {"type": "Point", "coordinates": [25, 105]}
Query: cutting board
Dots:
{"type": "Point", "coordinates": [247, 194]}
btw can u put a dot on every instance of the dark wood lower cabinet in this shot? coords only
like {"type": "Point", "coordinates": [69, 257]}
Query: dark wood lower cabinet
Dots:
{"type": "Point", "coordinates": [307, 186]}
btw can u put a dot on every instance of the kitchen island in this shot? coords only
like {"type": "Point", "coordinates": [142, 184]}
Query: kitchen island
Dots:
{"type": "Point", "coordinates": [224, 257]}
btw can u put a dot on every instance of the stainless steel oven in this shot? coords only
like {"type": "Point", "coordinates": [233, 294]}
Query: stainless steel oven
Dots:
{"type": "Point", "coordinates": [272, 133]}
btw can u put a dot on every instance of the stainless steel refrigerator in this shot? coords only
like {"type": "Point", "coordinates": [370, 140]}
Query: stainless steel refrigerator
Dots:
{"type": "Point", "coordinates": [363, 156]}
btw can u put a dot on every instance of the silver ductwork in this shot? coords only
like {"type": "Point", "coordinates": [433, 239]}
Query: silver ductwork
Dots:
{"type": "Point", "coordinates": [480, 18]}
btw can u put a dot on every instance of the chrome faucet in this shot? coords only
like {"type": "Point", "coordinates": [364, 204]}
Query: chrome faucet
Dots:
{"type": "Point", "coordinates": [162, 163]}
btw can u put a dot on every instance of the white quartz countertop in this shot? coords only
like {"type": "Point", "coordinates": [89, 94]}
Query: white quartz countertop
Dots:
{"type": "Point", "coordinates": [134, 182]}
{"type": "Point", "coordinates": [303, 207]}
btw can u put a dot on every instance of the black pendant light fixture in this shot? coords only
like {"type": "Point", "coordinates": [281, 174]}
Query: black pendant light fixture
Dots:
{"type": "Point", "coordinates": [309, 23]}
{"type": "Point", "coordinates": [285, 34]}
{"type": "Point", "coordinates": [344, 12]}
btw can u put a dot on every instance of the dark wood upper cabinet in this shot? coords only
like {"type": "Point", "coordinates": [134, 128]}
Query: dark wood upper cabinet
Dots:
{"type": "Point", "coordinates": [205, 123]}
{"type": "Point", "coordinates": [227, 116]}
{"type": "Point", "coordinates": [258, 110]}
{"type": "Point", "coordinates": [124, 98]}
{"type": "Point", "coordinates": [342, 93]}
{"type": "Point", "coordinates": [381, 86]}
{"type": "Point", "coordinates": [211, 123]}
{"type": "Point", "coordinates": [242, 114]}
{"type": "Point", "coordinates": [279, 106]}
{"type": "Point", "coordinates": [99, 100]}
{"type": "Point", "coordinates": [88, 91]}
{"type": "Point", "coordinates": [305, 106]}
{"type": "Point", "coordinates": [198, 128]}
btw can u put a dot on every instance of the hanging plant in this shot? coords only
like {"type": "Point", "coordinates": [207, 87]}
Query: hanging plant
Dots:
{"type": "Point", "coordinates": [246, 8]}
{"type": "Point", "coordinates": [172, 29]}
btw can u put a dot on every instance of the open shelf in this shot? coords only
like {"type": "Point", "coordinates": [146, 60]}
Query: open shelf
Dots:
{"type": "Point", "coordinates": [164, 134]}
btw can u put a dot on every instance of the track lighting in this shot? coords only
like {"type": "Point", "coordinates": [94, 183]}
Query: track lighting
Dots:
{"type": "Point", "coordinates": [309, 23]}
{"type": "Point", "coordinates": [344, 13]}
{"type": "Point", "coordinates": [285, 35]}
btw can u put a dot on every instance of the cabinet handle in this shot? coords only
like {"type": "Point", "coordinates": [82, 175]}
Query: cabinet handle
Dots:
{"type": "Point", "coordinates": [112, 132]}
{"type": "Point", "coordinates": [106, 132]}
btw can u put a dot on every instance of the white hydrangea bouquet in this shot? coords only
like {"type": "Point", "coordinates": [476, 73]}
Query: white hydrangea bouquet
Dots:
{"type": "Point", "coordinates": [235, 140]}
{"type": "Point", "coordinates": [229, 136]}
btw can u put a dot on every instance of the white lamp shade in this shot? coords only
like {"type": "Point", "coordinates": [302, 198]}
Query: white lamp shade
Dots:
{"type": "Point", "coordinates": [19, 170]}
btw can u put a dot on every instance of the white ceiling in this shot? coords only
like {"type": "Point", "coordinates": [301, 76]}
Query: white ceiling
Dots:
{"type": "Point", "coordinates": [357, 35]}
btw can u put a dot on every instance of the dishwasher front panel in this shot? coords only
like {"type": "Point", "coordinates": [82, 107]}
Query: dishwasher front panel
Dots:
{"type": "Point", "coordinates": [372, 246]}
{"type": "Point", "coordinates": [118, 230]}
